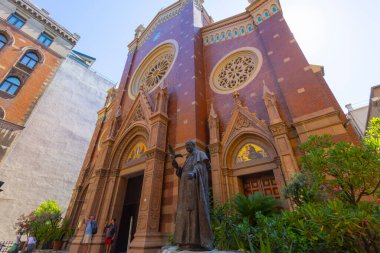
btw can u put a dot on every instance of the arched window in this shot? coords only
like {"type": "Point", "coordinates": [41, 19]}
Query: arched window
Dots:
{"type": "Point", "coordinates": [250, 152]}
{"type": "Point", "coordinates": [30, 60]}
{"type": "Point", "coordinates": [3, 40]}
{"type": "Point", "coordinates": [10, 85]}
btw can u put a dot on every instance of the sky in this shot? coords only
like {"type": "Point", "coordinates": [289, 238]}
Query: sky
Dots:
{"type": "Point", "coordinates": [341, 35]}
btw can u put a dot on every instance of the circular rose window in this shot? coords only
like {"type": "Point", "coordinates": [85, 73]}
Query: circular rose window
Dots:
{"type": "Point", "coordinates": [236, 70]}
{"type": "Point", "coordinates": [154, 68]}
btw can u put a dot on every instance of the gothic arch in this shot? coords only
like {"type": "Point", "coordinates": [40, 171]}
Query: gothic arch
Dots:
{"type": "Point", "coordinates": [78, 205]}
{"type": "Point", "coordinates": [137, 132]}
{"type": "Point", "coordinates": [246, 137]}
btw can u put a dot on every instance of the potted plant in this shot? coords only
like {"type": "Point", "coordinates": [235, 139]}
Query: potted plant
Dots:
{"type": "Point", "coordinates": [59, 233]}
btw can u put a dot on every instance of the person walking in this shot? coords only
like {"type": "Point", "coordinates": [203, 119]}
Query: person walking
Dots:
{"type": "Point", "coordinates": [31, 244]}
{"type": "Point", "coordinates": [110, 235]}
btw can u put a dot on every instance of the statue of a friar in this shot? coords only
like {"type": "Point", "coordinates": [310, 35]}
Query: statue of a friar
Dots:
{"type": "Point", "coordinates": [192, 223]}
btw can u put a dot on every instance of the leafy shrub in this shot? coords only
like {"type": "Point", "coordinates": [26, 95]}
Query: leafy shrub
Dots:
{"type": "Point", "coordinates": [305, 188]}
{"type": "Point", "coordinates": [248, 206]}
{"type": "Point", "coordinates": [331, 227]}
{"type": "Point", "coordinates": [232, 222]}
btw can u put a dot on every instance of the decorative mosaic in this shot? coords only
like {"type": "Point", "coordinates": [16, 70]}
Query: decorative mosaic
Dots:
{"type": "Point", "coordinates": [137, 152]}
{"type": "Point", "coordinates": [251, 152]}
{"type": "Point", "coordinates": [235, 71]}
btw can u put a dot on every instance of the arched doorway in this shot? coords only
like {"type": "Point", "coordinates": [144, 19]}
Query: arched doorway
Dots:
{"type": "Point", "coordinates": [252, 165]}
{"type": "Point", "coordinates": [132, 165]}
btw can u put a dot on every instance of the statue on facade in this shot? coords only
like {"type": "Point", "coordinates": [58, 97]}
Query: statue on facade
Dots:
{"type": "Point", "coordinates": [192, 223]}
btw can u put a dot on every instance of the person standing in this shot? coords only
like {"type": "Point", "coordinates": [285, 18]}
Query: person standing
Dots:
{"type": "Point", "coordinates": [90, 230]}
{"type": "Point", "coordinates": [110, 235]}
{"type": "Point", "coordinates": [31, 244]}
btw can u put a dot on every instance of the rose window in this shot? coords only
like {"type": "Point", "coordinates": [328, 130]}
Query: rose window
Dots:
{"type": "Point", "coordinates": [156, 71]}
{"type": "Point", "coordinates": [153, 69]}
{"type": "Point", "coordinates": [235, 71]}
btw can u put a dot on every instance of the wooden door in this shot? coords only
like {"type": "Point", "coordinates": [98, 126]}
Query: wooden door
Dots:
{"type": "Point", "coordinates": [261, 182]}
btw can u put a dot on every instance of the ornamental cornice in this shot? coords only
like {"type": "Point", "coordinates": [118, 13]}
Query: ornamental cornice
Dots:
{"type": "Point", "coordinates": [47, 21]}
{"type": "Point", "coordinates": [6, 125]}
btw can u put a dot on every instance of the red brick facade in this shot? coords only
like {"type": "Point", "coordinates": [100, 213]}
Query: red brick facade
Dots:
{"type": "Point", "coordinates": [287, 101]}
{"type": "Point", "coordinates": [18, 107]}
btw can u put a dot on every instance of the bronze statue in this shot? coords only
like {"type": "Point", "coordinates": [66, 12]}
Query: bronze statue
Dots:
{"type": "Point", "coordinates": [192, 223]}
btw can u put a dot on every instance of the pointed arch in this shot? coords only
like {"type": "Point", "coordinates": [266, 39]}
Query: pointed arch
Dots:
{"type": "Point", "coordinates": [137, 133]}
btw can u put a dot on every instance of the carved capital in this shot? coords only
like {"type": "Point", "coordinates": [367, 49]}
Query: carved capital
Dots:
{"type": "Point", "coordinates": [159, 118]}
{"type": "Point", "coordinates": [278, 129]}
{"type": "Point", "coordinates": [215, 148]}
{"type": "Point", "coordinates": [101, 173]}
{"type": "Point", "coordinates": [226, 172]}
{"type": "Point", "coordinates": [156, 154]}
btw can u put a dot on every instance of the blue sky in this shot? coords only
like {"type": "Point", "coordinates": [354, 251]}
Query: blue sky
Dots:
{"type": "Point", "coordinates": [342, 35]}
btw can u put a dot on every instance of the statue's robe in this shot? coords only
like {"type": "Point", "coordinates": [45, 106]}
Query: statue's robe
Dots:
{"type": "Point", "coordinates": [192, 224]}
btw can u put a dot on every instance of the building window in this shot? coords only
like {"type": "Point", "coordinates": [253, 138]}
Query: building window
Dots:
{"type": "Point", "coordinates": [3, 41]}
{"type": "Point", "coordinates": [45, 39]}
{"type": "Point", "coordinates": [16, 20]}
{"type": "Point", "coordinates": [30, 60]}
{"type": "Point", "coordinates": [2, 113]}
{"type": "Point", "coordinates": [10, 85]}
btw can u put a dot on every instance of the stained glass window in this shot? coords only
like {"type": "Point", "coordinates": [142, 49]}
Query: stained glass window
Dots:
{"type": "Point", "coordinates": [251, 152]}
{"type": "Point", "coordinates": [138, 150]}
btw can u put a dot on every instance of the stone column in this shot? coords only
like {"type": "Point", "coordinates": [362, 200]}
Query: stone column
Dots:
{"type": "Point", "coordinates": [279, 131]}
{"type": "Point", "coordinates": [148, 237]}
{"type": "Point", "coordinates": [218, 181]}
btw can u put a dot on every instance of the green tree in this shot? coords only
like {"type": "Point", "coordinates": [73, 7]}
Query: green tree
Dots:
{"type": "Point", "coordinates": [372, 138]}
{"type": "Point", "coordinates": [348, 172]}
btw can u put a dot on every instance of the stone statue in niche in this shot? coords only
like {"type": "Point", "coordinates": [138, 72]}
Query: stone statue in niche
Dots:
{"type": "Point", "coordinates": [192, 223]}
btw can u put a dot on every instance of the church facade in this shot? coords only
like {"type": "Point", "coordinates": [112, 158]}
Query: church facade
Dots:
{"type": "Point", "coordinates": [241, 88]}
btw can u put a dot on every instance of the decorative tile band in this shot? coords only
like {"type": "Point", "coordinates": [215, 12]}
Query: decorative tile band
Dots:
{"type": "Point", "coordinates": [240, 29]}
